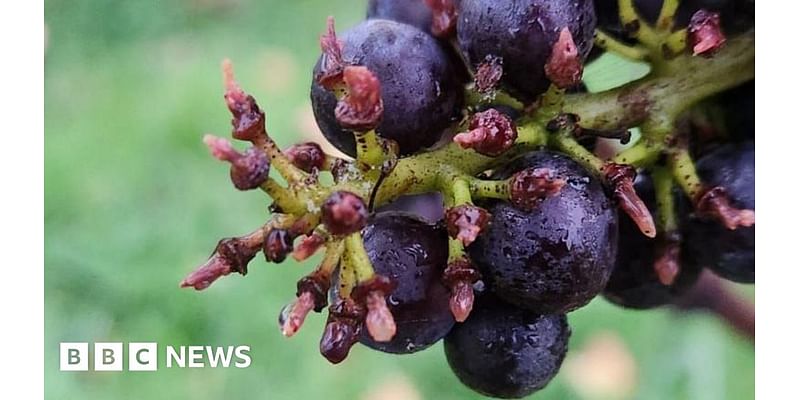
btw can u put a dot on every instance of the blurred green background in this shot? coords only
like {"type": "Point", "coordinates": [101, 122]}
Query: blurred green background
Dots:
{"type": "Point", "coordinates": [133, 202]}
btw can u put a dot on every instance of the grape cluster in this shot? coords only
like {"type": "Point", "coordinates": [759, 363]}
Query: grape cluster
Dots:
{"type": "Point", "coordinates": [489, 193]}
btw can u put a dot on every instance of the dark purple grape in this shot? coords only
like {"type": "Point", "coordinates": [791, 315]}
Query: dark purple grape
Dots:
{"type": "Point", "coordinates": [418, 14]}
{"type": "Point", "coordinates": [521, 33]}
{"type": "Point", "coordinates": [428, 206]}
{"type": "Point", "coordinates": [421, 93]}
{"type": "Point", "coordinates": [413, 254]}
{"type": "Point", "coordinates": [411, 12]}
{"type": "Point", "coordinates": [729, 253]}
{"type": "Point", "coordinates": [634, 283]}
{"type": "Point", "coordinates": [557, 257]}
{"type": "Point", "coordinates": [506, 352]}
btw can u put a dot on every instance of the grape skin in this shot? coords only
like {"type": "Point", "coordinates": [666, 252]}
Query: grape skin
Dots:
{"type": "Point", "coordinates": [729, 253]}
{"type": "Point", "coordinates": [527, 30]}
{"type": "Point", "coordinates": [506, 352]}
{"type": "Point", "coordinates": [420, 91]}
{"type": "Point", "coordinates": [412, 253]}
{"type": "Point", "coordinates": [411, 12]}
{"type": "Point", "coordinates": [428, 206]}
{"type": "Point", "coordinates": [557, 257]}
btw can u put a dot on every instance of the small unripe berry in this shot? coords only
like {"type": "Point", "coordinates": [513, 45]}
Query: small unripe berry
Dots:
{"type": "Point", "coordinates": [344, 213]}
{"type": "Point", "coordinates": [251, 170]}
{"type": "Point", "coordinates": [491, 133]}
{"type": "Point", "coordinates": [306, 156]}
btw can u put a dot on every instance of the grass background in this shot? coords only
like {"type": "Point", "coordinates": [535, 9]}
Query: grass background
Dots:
{"type": "Point", "coordinates": [133, 202]}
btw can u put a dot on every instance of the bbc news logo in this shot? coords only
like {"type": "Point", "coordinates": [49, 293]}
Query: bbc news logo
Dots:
{"type": "Point", "coordinates": [109, 356]}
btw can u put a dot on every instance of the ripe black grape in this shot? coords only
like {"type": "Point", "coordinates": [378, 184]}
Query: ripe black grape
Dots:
{"type": "Point", "coordinates": [420, 91]}
{"type": "Point", "coordinates": [521, 34]}
{"type": "Point", "coordinates": [503, 351]}
{"type": "Point", "coordinates": [634, 282]}
{"type": "Point", "coordinates": [729, 253]}
{"type": "Point", "coordinates": [558, 256]}
{"type": "Point", "coordinates": [418, 14]}
{"type": "Point", "coordinates": [413, 254]}
{"type": "Point", "coordinates": [411, 12]}
{"type": "Point", "coordinates": [428, 206]}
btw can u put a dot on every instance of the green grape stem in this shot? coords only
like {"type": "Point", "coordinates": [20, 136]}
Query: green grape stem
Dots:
{"type": "Point", "coordinates": [652, 103]}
